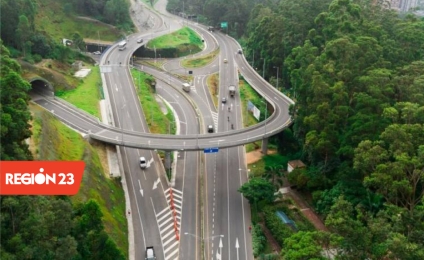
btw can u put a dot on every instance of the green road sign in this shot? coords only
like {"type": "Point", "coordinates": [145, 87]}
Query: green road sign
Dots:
{"type": "Point", "coordinates": [224, 25]}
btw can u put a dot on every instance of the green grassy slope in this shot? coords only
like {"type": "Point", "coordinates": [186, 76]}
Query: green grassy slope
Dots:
{"type": "Point", "coordinates": [54, 141]}
{"type": "Point", "coordinates": [87, 95]}
{"type": "Point", "coordinates": [52, 19]}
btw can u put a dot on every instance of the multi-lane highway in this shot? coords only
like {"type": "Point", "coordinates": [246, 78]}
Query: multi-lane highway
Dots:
{"type": "Point", "coordinates": [210, 217]}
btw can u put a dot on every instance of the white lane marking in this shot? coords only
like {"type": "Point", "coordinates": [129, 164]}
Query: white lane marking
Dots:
{"type": "Point", "coordinates": [141, 190]}
{"type": "Point", "coordinates": [136, 202]}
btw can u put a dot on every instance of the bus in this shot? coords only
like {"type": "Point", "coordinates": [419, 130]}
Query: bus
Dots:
{"type": "Point", "coordinates": [122, 45]}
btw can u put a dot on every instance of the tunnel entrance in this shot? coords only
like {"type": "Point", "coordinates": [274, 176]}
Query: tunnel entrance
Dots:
{"type": "Point", "coordinates": [40, 87]}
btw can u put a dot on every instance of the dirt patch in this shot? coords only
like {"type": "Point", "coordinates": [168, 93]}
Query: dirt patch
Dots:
{"type": "Point", "coordinates": [256, 155]}
{"type": "Point", "coordinates": [101, 149]}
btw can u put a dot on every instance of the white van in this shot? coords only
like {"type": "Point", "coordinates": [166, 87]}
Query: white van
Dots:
{"type": "Point", "coordinates": [186, 87]}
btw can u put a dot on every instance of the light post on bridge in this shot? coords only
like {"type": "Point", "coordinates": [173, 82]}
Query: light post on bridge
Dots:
{"type": "Point", "coordinates": [203, 241]}
{"type": "Point", "coordinates": [266, 111]}
{"type": "Point", "coordinates": [278, 68]}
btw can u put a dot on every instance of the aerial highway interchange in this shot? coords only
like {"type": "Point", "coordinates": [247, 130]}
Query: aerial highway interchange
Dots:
{"type": "Point", "coordinates": [199, 214]}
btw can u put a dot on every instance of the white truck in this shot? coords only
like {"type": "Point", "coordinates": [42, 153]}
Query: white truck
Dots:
{"type": "Point", "coordinates": [232, 90]}
{"type": "Point", "coordinates": [186, 87]}
{"type": "Point", "coordinates": [150, 253]}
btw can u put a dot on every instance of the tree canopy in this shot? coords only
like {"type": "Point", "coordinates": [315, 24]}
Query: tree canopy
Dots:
{"type": "Point", "coordinates": [14, 112]}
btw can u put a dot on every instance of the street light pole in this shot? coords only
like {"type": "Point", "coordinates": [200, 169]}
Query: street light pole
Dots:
{"type": "Point", "coordinates": [121, 124]}
{"type": "Point", "coordinates": [266, 111]}
{"type": "Point", "coordinates": [278, 68]}
{"type": "Point", "coordinates": [263, 71]}
{"type": "Point", "coordinates": [247, 171]}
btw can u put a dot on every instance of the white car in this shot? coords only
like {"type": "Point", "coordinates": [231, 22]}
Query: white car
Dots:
{"type": "Point", "coordinates": [97, 53]}
{"type": "Point", "coordinates": [143, 163]}
{"type": "Point", "coordinates": [210, 128]}
{"type": "Point", "coordinates": [140, 40]}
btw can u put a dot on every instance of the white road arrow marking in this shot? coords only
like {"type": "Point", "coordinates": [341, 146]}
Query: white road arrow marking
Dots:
{"type": "Point", "coordinates": [155, 184]}
{"type": "Point", "coordinates": [237, 248]}
{"type": "Point", "coordinates": [218, 256]}
{"type": "Point", "coordinates": [220, 247]}
{"type": "Point", "coordinates": [141, 190]}
{"type": "Point", "coordinates": [150, 162]}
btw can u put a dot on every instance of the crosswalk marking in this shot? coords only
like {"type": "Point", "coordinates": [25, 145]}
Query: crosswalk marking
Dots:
{"type": "Point", "coordinates": [165, 220]}
{"type": "Point", "coordinates": [163, 223]}
{"type": "Point", "coordinates": [164, 216]}
{"type": "Point", "coordinates": [173, 253]}
{"type": "Point", "coordinates": [215, 119]}
{"type": "Point", "coordinates": [160, 213]}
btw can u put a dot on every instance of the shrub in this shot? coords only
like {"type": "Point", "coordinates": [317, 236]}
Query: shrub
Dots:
{"type": "Point", "coordinates": [279, 230]}
{"type": "Point", "coordinates": [258, 240]}
{"type": "Point", "coordinates": [37, 58]}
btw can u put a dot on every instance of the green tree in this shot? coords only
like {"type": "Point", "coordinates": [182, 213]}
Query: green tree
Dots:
{"type": "Point", "coordinates": [357, 240]}
{"type": "Point", "coordinates": [276, 174]}
{"type": "Point", "coordinates": [15, 115]}
{"type": "Point", "coordinates": [256, 190]}
{"type": "Point", "coordinates": [309, 245]}
{"type": "Point", "coordinates": [394, 166]}
{"type": "Point", "coordinates": [24, 33]}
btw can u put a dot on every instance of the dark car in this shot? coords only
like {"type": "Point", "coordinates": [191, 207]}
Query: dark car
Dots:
{"type": "Point", "coordinates": [224, 100]}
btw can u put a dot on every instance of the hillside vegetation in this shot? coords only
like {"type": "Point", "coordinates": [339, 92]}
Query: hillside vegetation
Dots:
{"type": "Point", "coordinates": [34, 30]}
{"type": "Point", "coordinates": [177, 44]}
{"type": "Point", "coordinates": [355, 70]}
{"type": "Point", "coordinates": [54, 19]}
{"type": "Point", "coordinates": [52, 140]}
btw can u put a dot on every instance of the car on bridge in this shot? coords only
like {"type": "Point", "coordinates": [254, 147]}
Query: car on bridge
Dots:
{"type": "Point", "coordinates": [210, 128]}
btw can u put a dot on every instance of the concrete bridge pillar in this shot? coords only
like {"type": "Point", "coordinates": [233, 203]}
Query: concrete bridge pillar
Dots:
{"type": "Point", "coordinates": [265, 146]}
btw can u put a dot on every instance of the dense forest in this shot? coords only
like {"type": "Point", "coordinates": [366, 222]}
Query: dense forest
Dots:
{"type": "Point", "coordinates": [49, 227]}
{"type": "Point", "coordinates": [356, 72]}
